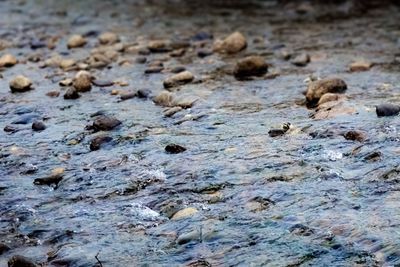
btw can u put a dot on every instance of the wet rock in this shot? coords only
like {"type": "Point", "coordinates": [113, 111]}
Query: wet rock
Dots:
{"type": "Point", "coordinates": [171, 111]}
{"type": "Point", "coordinates": [76, 41]}
{"type": "Point", "coordinates": [328, 97]}
{"type": "Point", "coordinates": [143, 93]}
{"type": "Point", "coordinates": [54, 178]}
{"type": "Point", "coordinates": [7, 60]}
{"type": "Point", "coordinates": [105, 123]}
{"type": "Point", "coordinates": [71, 93]}
{"type": "Point", "coordinates": [164, 99]}
{"type": "Point", "coordinates": [301, 60]}
{"type": "Point", "coordinates": [37, 44]}
{"type": "Point", "coordinates": [83, 81]}
{"type": "Point", "coordinates": [360, 66]}
{"type": "Point", "coordinates": [174, 149]}
{"type": "Point", "coordinates": [232, 44]}
{"type": "Point", "coordinates": [317, 89]}
{"type": "Point", "coordinates": [202, 53]}
{"type": "Point", "coordinates": [38, 126]}
{"type": "Point", "coordinates": [153, 69]}
{"type": "Point", "coordinates": [98, 141]}
{"type": "Point", "coordinates": [188, 237]}
{"type": "Point", "coordinates": [374, 156]}
{"type": "Point", "coordinates": [178, 79]}
{"type": "Point", "coordinates": [20, 84]}
{"type": "Point", "coordinates": [4, 248]}
{"type": "Point", "coordinates": [102, 83]}
{"type": "Point", "coordinates": [184, 213]}
{"type": "Point", "coordinates": [387, 109]}
{"type": "Point", "coordinates": [66, 82]}
{"type": "Point", "coordinates": [159, 46]}
{"type": "Point", "coordinates": [20, 261]}
{"type": "Point", "coordinates": [128, 95]}
{"type": "Point", "coordinates": [355, 136]}
{"type": "Point", "coordinates": [301, 229]}
{"type": "Point", "coordinates": [108, 38]}
{"type": "Point", "coordinates": [250, 66]}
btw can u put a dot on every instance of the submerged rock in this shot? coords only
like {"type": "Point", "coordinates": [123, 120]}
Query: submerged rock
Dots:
{"type": "Point", "coordinates": [250, 66]}
{"type": "Point", "coordinates": [20, 261]}
{"type": "Point", "coordinates": [387, 109]}
{"type": "Point", "coordinates": [54, 178]}
{"type": "Point", "coordinates": [317, 89]}
{"type": "Point", "coordinates": [232, 44]}
{"type": "Point", "coordinates": [20, 84]}
{"type": "Point", "coordinates": [75, 41]}
{"type": "Point", "coordinates": [178, 79]}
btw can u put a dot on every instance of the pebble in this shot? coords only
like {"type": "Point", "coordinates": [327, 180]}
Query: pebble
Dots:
{"type": "Point", "coordinates": [360, 66]}
{"type": "Point", "coordinates": [25, 119]}
{"type": "Point", "coordinates": [127, 95]}
{"type": "Point", "coordinates": [7, 60]}
{"type": "Point", "coordinates": [178, 69]}
{"type": "Point", "coordinates": [276, 132]}
{"type": "Point", "coordinates": [38, 126]}
{"type": "Point", "coordinates": [54, 178]}
{"type": "Point", "coordinates": [83, 81]}
{"type": "Point", "coordinates": [328, 97]}
{"type": "Point", "coordinates": [98, 141]}
{"type": "Point", "coordinates": [10, 129]}
{"type": "Point", "coordinates": [171, 111]}
{"type": "Point", "coordinates": [202, 53]}
{"type": "Point", "coordinates": [174, 149]}
{"type": "Point", "coordinates": [20, 84]}
{"type": "Point", "coordinates": [301, 60]}
{"type": "Point", "coordinates": [20, 261]}
{"type": "Point", "coordinates": [164, 99]}
{"type": "Point", "coordinates": [75, 41]}
{"type": "Point", "coordinates": [355, 136]}
{"type": "Point", "coordinates": [317, 89]}
{"type": "Point", "coordinates": [250, 66]}
{"type": "Point", "coordinates": [71, 93]}
{"type": "Point", "coordinates": [184, 213]}
{"type": "Point", "coordinates": [140, 60]}
{"type": "Point", "coordinates": [232, 44]}
{"type": "Point", "coordinates": [373, 156]}
{"type": "Point", "coordinates": [143, 93]}
{"type": "Point", "coordinates": [153, 69]}
{"type": "Point", "coordinates": [178, 79]}
{"type": "Point", "coordinates": [53, 94]}
{"type": "Point", "coordinates": [108, 38]}
{"type": "Point", "coordinates": [159, 46]}
{"type": "Point", "coordinates": [178, 52]}
{"type": "Point", "coordinates": [387, 109]}
{"type": "Point", "coordinates": [105, 123]}
{"type": "Point", "coordinates": [66, 82]}
{"type": "Point", "coordinates": [67, 63]}
{"type": "Point", "coordinates": [102, 83]}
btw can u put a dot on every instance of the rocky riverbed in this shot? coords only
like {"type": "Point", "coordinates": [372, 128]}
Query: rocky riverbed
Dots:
{"type": "Point", "coordinates": [140, 133]}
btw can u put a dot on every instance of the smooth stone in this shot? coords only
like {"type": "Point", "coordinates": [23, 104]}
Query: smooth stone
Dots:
{"type": "Point", "coordinates": [127, 95]}
{"type": "Point", "coordinates": [164, 99]}
{"type": "Point", "coordinates": [102, 83]}
{"type": "Point", "coordinates": [75, 41]}
{"type": "Point", "coordinates": [25, 119]}
{"type": "Point", "coordinates": [49, 180]}
{"type": "Point", "coordinates": [387, 109]}
{"type": "Point", "coordinates": [301, 60]}
{"type": "Point", "coordinates": [232, 44]}
{"type": "Point", "coordinates": [7, 60]}
{"type": "Point", "coordinates": [159, 46]}
{"type": "Point", "coordinates": [181, 78]}
{"type": "Point", "coordinates": [250, 66]}
{"type": "Point", "coordinates": [108, 38]}
{"type": "Point", "coordinates": [38, 126]}
{"type": "Point", "coordinates": [20, 84]}
{"type": "Point", "coordinates": [317, 89]}
{"type": "Point", "coordinates": [53, 94]}
{"type": "Point", "coordinates": [143, 93]}
{"type": "Point", "coordinates": [184, 213]}
{"type": "Point", "coordinates": [355, 136]}
{"type": "Point", "coordinates": [174, 149]}
{"type": "Point", "coordinates": [360, 66]}
{"type": "Point", "coordinates": [83, 81]}
{"type": "Point", "coordinates": [105, 123]}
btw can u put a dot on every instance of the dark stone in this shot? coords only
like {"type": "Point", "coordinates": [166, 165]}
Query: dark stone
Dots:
{"type": "Point", "coordinates": [383, 110]}
{"type": "Point", "coordinates": [174, 149]}
{"type": "Point", "coordinates": [128, 95]}
{"type": "Point", "coordinates": [374, 156]}
{"type": "Point", "coordinates": [38, 126]}
{"type": "Point", "coordinates": [36, 44]}
{"type": "Point", "coordinates": [178, 69]}
{"type": "Point", "coordinates": [202, 36]}
{"type": "Point", "coordinates": [4, 248]}
{"type": "Point", "coordinates": [52, 179]}
{"type": "Point", "coordinates": [250, 66]}
{"type": "Point", "coordinates": [20, 261]}
{"type": "Point", "coordinates": [105, 123]}
{"type": "Point", "coordinates": [102, 83]}
{"type": "Point", "coordinates": [143, 93]}
{"type": "Point", "coordinates": [71, 93]}
{"type": "Point", "coordinates": [10, 129]}
{"type": "Point", "coordinates": [276, 132]}
{"type": "Point", "coordinates": [141, 60]}
{"type": "Point", "coordinates": [354, 136]}
{"type": "Point", "coordinates": [153, 69]}
{"type": "Point", "coordinates": [202, 53]}
{"type": "Point", "coordinates": [98, 141]}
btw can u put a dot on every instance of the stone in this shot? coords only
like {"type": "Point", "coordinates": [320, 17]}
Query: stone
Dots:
{"type": "Point", "coordinates": [143, 93]}
{"type": "Point", "coordinates": [53, 94]}
{"type": "Point", "coordinates": [301, 60]}
{"type": "Point", "coordinates": [164, 99]}
{"type": "Point", "coordinates": [250, 66]}
{"type": "Point", "coordinates": [178, 69]}
{"type": "Point", "coordinates": [387, 109]}
{"type": "Point", "coordinates": [127, 95]}
{"type": "Point", "coordinates": [153, 69]}
{"type": "Point", "coordinates": [71, 93]}
{"type": "Point", "coordinates": [329, 97]}
{"type": "Point", "coordinates": [276, 132]}
{"type": "Point", "coordinates": [38, 126]}
{"type": "Point", "coordinates": [4, 248]}
{"type": "Point", "coordinates": [140, 60]}
{"type": "Point", "coordinates": [83, 81]}
{"type": "Point", "coordinates": [67, 63]}
{"type": "Point", "coordinates": [49, 180]}
{"type": "Point", "coordinates": [333, 109]}
{"type": "Point", "coordinates": [102, 83]}
{"type": "Point", "coordinates": [20, 261]}
{"type": "Point", "coordinates": [75, 41]}
{"type": "Point", "coordinates": [180, 78]}
{"type": "Point", "coordinates": [66, 82]}
{"type": "Point", "coordinates": [108, 38]}
{"type": "Point", "coordinates": [171, 111]}
{"type": "Point", "coordinates": [105, 123]}
{"type": "Point", "coordinates": [174, 149]}
{"type": "Point", "coordinates": [360, 66]}
{"type": "Point", "coordinates": [7, 60]}
{"type": "Point", "coordinates": [355, 136]}
{"type": "Point", "coordinates": [184, 213]}
{"type": "Point", "coordinates": [232, 44]}
{"type": "Point", "coordinates": [202, 53]}
{"type": "Point", "coordinates": [20, 84]}
{"type": "Point", "coordinates": [98, 141]}
{"type": "Point", "coordinates": [178, 52]}
{"type": "Point", "coordinates": [159, 46]}
{"type": "Point", "coordinates": [317, 89]}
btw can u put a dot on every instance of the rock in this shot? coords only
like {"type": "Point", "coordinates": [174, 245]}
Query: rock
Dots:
{"type": "Point", "coordinates": [232, 44]}
{"type": "Point", "coordinates": [159, 46]}
{"type": "Point", "coordinates": [38, 126]}
{"type": "Point", "coordinates": [199, 263]}
{"type": "Point", "coordinates": [178, 52]}
{"type": "Point", "coordinates": [153, 69]}
{"type": "Point", "coordinates": [143, 93]}
{"type": "Point", "coordinates": [301, 60]}
{"type": "Point", "coordinates": [127, 95]}
{"type": "Point", "coordinates": [4, 248]}
{"type": "Point", "coordinates": [65, 82]}
{"type": "Point", "coordinates": [71, 93]}
{"type": "Point", "coordinates": [140, 60]}
{"type": "Point", "coordinates": [189, 237]}
{"type": "Point", "coordinates": [184, 213]}
{"type": "Point", "coordinates": [355, 136]}
{"type": "Point", "coordinates": [360, 66]}
{"type": "Point", "coordinates": [329, 97]}
{"type": "Point", "coordinates": [171, 111]}
{"type": "Point", "coordinates": [98, 141]}
{"type": "Point", "coordinates": [67, 63]}
{"type": "Point", "coordinates": [250, 66]}
{"type": "Point", "coordinates": [333, 109]}
{"type": "Point", "coordinates": [26, 118]}
{"type": "Point", "coordinates": [102, 83]}
{"type": "Point", "coordinates": [174, 149]}
{"type": "Point", "coordinates": [164, 99]}
{"type": "Point", "coordinates": [178, 79]}
{"type": "Point", "coordinates": [83, 81]}
{"type": "Point", "coordinates": [105, 123]}
{"type": "Point", "coordinates": [202, 53]}
{"type": "Point", "coordinates": [202, 36]}
{"type": "Point", "coordinates": [178, 69]}
{"type": "Point", "coordinates": [276, 132]}
{"type": "Point", "coordinates": [317, 89]}
{"type": "Point", "coordinates": [383, 110]}
{"type": "Point", "coordinates": [75, 41]}
{"type": "Point", "coordinates": [53, 94]}
{"type": "Point", "coordinates": [373, 156]}
{"type": "Point", "coordinates": [20, 261]}
{"type": "Point", "coordinates": [54, 178]}
{"type": "Point", "coordinates": [7, 60]}
{"type": "Point", "coordinates": [10, 129]}
{"type": "Point", "coordinates": [20, 84]}
{"type": "Point", "coordinates": [108, 38]}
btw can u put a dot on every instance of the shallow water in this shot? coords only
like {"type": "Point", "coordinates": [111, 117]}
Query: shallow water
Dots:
{"type": "Point", "coordinates": [293, 200]}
